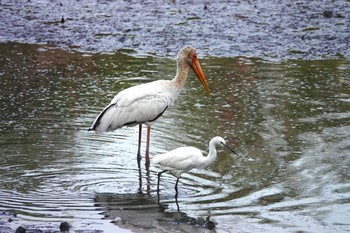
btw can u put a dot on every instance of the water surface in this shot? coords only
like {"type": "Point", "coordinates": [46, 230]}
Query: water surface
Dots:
{"type": "Point", "coordinates": [288, 121]}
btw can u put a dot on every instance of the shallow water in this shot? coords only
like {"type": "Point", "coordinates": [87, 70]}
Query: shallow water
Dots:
{"type": "Point", "coordinates": [288, 121]}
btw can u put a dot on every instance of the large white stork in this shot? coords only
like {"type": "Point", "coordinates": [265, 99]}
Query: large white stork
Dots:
{"type": "Point", "coordinates": [145, 103]}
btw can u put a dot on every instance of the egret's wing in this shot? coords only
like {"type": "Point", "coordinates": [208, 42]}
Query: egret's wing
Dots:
{"type": "Point", "coordinates": [183, 158]}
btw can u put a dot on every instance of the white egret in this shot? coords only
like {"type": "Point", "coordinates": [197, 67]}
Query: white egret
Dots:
{"type": "Point", "coordinates": [145, 103]}
{"type": "Point", "coordinates": [183, 159]}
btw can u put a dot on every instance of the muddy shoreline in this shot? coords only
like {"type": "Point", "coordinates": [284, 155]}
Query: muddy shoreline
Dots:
{"type": "Point", "coordinates": [271, 30]}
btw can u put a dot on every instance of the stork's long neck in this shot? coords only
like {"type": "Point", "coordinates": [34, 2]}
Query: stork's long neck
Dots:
{"type": "Point", "coordinates": [211, 155]}
{"type": "Point", "coordinates": [181, 75]}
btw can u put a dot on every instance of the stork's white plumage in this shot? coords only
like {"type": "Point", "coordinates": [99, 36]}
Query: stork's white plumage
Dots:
{"type": "Point", "coordinates": [183, 159]}
{"type": "Point", "coordinates": [143, 104]}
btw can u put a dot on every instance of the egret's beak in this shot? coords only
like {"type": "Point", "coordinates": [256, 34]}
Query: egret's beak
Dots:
{"type": "Point", "coordinates": [196, 67]}
{"type": "Point", "coordinates": [231, 149]}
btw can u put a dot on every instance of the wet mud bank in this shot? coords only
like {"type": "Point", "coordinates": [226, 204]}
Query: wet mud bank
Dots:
{"type": "Point", "coordinates": [271, 30]}
{"type": "Point", "coordinates": [10, 222]}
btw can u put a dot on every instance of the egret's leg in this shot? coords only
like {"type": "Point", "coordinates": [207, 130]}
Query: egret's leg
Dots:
{"type": "Point", "coordinates": [147, 143]}
{"type": "Point", "coordinates": [159, 174]}
{"type": "Point", "coordinates": [177, 204]}
{"type": "Point", "coordinates": [177, 181]}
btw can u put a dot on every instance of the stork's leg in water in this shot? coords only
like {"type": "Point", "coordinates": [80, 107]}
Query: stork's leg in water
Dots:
{"type": "Point", "coordinates": [139, 145]}
{"type": "Point", "coordinates": [147, 159]}
{"type": "Point", "coordinates": [139, 158]}
{"type": "Point", "coordinates": [147, 145]}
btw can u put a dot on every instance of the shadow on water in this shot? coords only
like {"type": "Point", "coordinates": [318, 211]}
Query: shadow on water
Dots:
{"type": "Point", "coordinates": [288, 121]}
{"type": "Point", "coordinates": [139, 212]}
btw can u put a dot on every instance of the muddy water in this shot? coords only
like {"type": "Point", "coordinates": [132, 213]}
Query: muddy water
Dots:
{"type": "Point", "coordinates": [288, 121]}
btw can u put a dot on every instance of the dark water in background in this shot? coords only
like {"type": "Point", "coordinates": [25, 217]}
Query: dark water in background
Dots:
{"type": "Point", "coordinates": [289, 122]}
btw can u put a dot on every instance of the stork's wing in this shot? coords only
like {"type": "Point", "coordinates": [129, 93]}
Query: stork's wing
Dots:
{"type": "Point", "coordinates": [135, 105]}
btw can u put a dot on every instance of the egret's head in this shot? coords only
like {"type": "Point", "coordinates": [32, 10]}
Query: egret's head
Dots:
{"type": "Point", "coordinates": [220, 141]}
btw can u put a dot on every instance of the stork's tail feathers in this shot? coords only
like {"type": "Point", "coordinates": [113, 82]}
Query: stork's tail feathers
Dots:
{"type": "Point", "coordinates": [103, 121]}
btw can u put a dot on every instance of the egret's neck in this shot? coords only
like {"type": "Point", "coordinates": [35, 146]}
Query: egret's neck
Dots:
{"type": "Point", "coordinates": [211, 155]}
{"type": "Point", "coordinates": [181, 76]}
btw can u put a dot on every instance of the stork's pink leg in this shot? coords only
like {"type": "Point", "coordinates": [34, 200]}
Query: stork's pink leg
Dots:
{"type": "Point", "coordinates": [139, 145]}
{"type": "Point", "coordinates": [147, 144]}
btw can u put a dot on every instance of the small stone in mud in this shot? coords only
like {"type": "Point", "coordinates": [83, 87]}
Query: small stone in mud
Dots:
{"type": "Point", "coordinates": [20, 229]}
{"type": "Point", "coordinates": [327, 14]}
{"type": "Point", "coordinates": [200, 221]}
{"type": "Point", "coordinates": [210, 225]}
{"type": "Point", "coordinates": [64, 227]}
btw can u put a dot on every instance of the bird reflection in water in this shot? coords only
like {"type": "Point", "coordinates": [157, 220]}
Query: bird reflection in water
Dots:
{"type": "Point", "coordinates": [141, 211]}
{"type": "Point", "coordinates": [182, 217]}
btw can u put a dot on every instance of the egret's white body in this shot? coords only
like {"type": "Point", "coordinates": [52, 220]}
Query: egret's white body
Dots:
{"type": "Point", "coordinates": [143, 104]}
{"type": "Point", "coordinates": [183, 159]}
